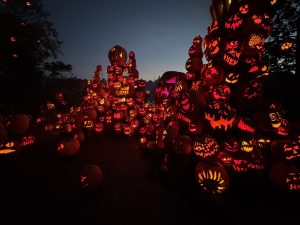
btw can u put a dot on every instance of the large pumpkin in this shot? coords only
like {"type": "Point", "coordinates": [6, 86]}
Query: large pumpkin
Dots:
{"type": "Point", "coordinates": [205, 146]}
{"type": "Point", "coordinates": [212, 177]}
{"type": "Point", "coordinates": [117, 56]}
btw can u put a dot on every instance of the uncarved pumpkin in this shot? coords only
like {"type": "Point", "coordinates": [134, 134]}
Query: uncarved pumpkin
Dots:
{"type": "Point", "coordinates": [68, 147]}
{"type": "Point", "coordinates": [18, 123]}
{"type": "Point", "coordinates": [92, 177]}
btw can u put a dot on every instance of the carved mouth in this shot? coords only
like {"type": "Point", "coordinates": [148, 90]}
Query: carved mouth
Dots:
{"type": "Point", "coordinates": [212, 181]}
{"type": "Point", "coordinates": [220, 123]}
{"type": "Point", "coordinates": [183, 117]}
{"type": "Point", "coordinates": [245, 127]}
{"type": "Point", "coordinates": [239, 166]}
{"type": "Point", "coordinates": [233, 25]}
{"type": "Point", "coordinates": [231, 59]}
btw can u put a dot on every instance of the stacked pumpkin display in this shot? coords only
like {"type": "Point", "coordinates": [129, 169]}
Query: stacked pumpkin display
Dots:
{"type": "Point", "coordinates": [220, 109]}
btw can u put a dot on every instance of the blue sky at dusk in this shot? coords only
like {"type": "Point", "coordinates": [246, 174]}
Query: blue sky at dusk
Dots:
{"type": "Point", "coordinates": [160, 32]}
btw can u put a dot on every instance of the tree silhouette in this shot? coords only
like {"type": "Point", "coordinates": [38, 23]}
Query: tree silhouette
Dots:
{"type": "Point", "coordinates": [281, 45]}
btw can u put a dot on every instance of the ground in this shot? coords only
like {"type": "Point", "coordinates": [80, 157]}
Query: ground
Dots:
{"type": "Point", "coordinates": [39, 187]}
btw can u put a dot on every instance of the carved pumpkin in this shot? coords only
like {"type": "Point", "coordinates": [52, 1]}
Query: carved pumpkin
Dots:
{"type": "Point", "coordinates": [117, 56]}
{"type": "Point", "coordinates": [286, 148]}
{"type": "Point", "coordinates": [10, 147]}
{"type": "Point", "coordinates": [212, 177]}
{"type": "Point", "coordinates": [99, 127]}
{"type": "Point", "coordinates": [205, 146]}
{"type": "Point", "coordinates": [232, 53]}
{"type": "Point", "coordinates": [256, 160]}
{"type": "Point", "coordinates": [247, 144]}
{"type": "Point", "coordinates": [221, 92]}
{"type": "Point", "coordinates": [212, 47]}
{"type": "Point", "coordinates": [231, 144]}
{"type": "Point", "coordinates": [285, 176]}
{"type": "Point", "coordinates": [91, 177]}
{"type": "Point", "coordinates": [245, 124]}
{"type": "Point", "coordinates": [244, 9]}
{"type": "Point", "coordinates": [233, 23]}
{"type": "Point", "coordinates": [184, 103]}
{"type": "Point", "coordinates": [68, 147]}
{"type": "Point", "coordinates": [211, 75]}
{"type": "Point", "coordinates": [232, 78]}
{"type": "Point", "coordinates": [225, 158]}
{"type": "Point", "coordinates": [287, 45]}
{"type": "Point", "coordinates": [28, 141]}
{"type": "Point", "coordinates": [240, 164]}
{"type": "Point", "coordinates": [220, 115]}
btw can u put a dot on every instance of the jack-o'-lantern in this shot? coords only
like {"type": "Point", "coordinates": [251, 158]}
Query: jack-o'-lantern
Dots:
{"type": "Point", "coordinates": [232, 53]}
{"type": "Point", "coordinates": [99, 127]}
{"type": "Point", "coordinates": [68, 147]}
{"type": "Point", "coordinates": [286, 148]}
{"type": "Point", "coordinates": [118, 127]}
{"type": "Point", "coordinates": [28, 141]}
{"type": "Point", "coordinates": [127, 129]}
{"type": "Point", "coordinates": [130, 102]}
{"type": "Point", "coordinates": [231, 144]}
{"type": "Point", "coordinates": [108, 119]}
{"type": "Point", "coordinates": [225, 158]}
{"type": "Point", "coordinates": [256, 160]}
{"type": "Point", "coordinates": [195, 51]}
{"type": "Point", "coordinates": [232, 78]}
{"type": "Point", "coordinates": [195, 127]}
{"type": "Point", "coordinates": [264, 71]}
{"type": "Point", "coordinates": [133, 113]}
{"type": "Point", "coordinates": [211, 75]}
{"type": "Point", "coordinates": [287, 45]}
{"type": "Point", "coordinates": [196, 84]}
{"type": "Point", "coordinates": [253, 90]}
{"type": "Point", "coordinates": [101, 109]}
{"type": "Point", "coordinates": [140, 97]}
{"type": "Point", "coordinates": [142, 111]}
{"type": "Point", "coordinates": [194, 64]}
{"type": "Point", "coordinates": [118, 115]}
{"type": "Point", "coordinates": [245, 124]}
{"type": "Point", "coordinates": [212, 46]}
{"type": "Point", "coordinates": [256, 41]}
{"type": "Point", "coordinates": [117, 85]}
{"type": "Point", "coordinates": [251, 65]}
{"type": "Point", "coordinates": [184, 103]}
{"type": "Point", "coordinates": [141, 84]}
{"type": "Point", "coordinates": [150, 129]}
{"type": "Point", "coordinates": [240, 164]}
{"type": "Point", "coordinates": [257, 19]}
{"type": "Point", "coordinates": [160, 135]}
{"type": "Point", "coordinates": [285, 176]}
{"type": "Point", "coordinates": [213, 27]}
{"type": "Point", "coordinates": [212, 177]}
{"type": "Point", "coordinates": [247, 144]}
{"type": "Point", "coordinates": [262, 142]}
{"type": "Point", "coordinates": [135, 124]}
{"type": "Point", "coordinates": [117, 56]}
{"type": "Point", "coordinates": [221, 92]}
{"type": "Point", "coordinates": [91, 177]}
{"type": "Point", "coordinates": [147, 118]}
{"type": "Point", "coordinates": [220, 115]}
{"type": "Point", "coordinates": [275, 115]}
{"type": "Point", "coordinates": [233, 23]}
{"type": "Point", "coordinates": [88, 124]}
{"type": "Point", "coordinates": [205, 146]}
{"type": "Point", "coordinates": [244, 9]}
{"type": "Point", "coordinates": [10, 147]}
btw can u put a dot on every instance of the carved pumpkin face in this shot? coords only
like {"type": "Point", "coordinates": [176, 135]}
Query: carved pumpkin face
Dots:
{"type": "Point", "coordinates": [212, 177]}
{"type": "Point", "coordinates": [140, 96]}
{"type": "Point", "coordinates": [287, 149]}
{"type": "Point", "coordinates": [220, 115]}
{"type": "Point", "coordinates": [142, 83]}
{"type": "Point", "coordinates": [9, 148]}
{"type": "Point", "coordinates": [212, 46]}
{"type": "Point", "coordinates": [99, 127]}
{"type": "Point", "coordinates": [231, 144]}
{"type": "Point", "coordinates": [205, 146]}
{"type": "Point", "coordinates": [211, 76]}
{"type": "Point", "coordinates": [225, 158]}
{"type": "Point", "coordinates": [88, 124]}
{"type": "Point", "coordinates": [240, 165]}
{"type": "Point", "coordinates": [262, 142]}
{"type": "Point", "coordinates": [251, 64]}
{"type": "Point", "coordinates": [256, 41]}
{"type": "Point", "coordinates": [213, 28]}
{"type": "Point", "coordinates": [257, 19]}
{"type": "Point", "coordinates": [257, 160]}
{"type": "Point", "coordinates": [253, 90]}
{"type": "Point", "coordinates": [234, 22]}
{"type": "Point", "coordinates": [221, 92]}
{"type": "Point", "coordinates": [127, 129]}
{"type": "Point", "coordinates": [244, 9]}
{"type": "Point", "coordinates": [232, 53]}
{"type": "Point", "coordinates": [232, 78]}
{"type": "Point", "coordinates": [28, 141]}
{"type": "Point", "coordinates": [184, 103]}
{"type": "Point", "coordinates": [247, 145]}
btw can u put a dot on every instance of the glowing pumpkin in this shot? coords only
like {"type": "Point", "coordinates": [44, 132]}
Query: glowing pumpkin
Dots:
{"type": "Point", "coordinates": [205, 146]}
{"type": "Point", "coordinates": [212, 177]}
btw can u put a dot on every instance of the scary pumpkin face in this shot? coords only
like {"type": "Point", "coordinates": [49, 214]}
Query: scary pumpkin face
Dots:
{"type": "Point", "coordinates": [247, 145]}
{"type": "Point", "coordinates": [9, 148]}
{"type": "Point", "coordinates": [231, 144]}
{"type": "Point", "coordinates": [212, 177]}
{"type": "Point", "coordinates": [244, 9]}
{"type": "Point", "coordinates": [220, 115]}
{"type": "Point", "coordinates": [205, 146]}
{"type": "Point", "coordinates": [28, 141]}
{"type": "Point", "coordinates": [211, 76]}
{"type": "Point", "coordinates": [253, 90]}
{"type": "Point", "coordinates": [118, 127]}
{"type": "Point", "coordinates": [234, 22]}
{"type": "Point", "coordinates": [225, 158]}
{"type": "Point", "coordinates": [240, 164]}
{"type": "Point", "coordinates": [256, 160]}
{"type": "Point", "coordinates": [213, 28]}
{"type": "Point", "coordinates": [232, 53]}
{"type": "Point", "coordinates": [140, 96]}
{"type": "Point", "coordinates": [184, 103]}
{"type": "Point", "coordinates": [286, 148]}
{"type": "Point", "coordinates": [232, 78]}
{"type": "Point", "coordinates": [221, 92]}
{"type": "Point", "coordinates": [212, 46]}
{"type": "Point", "coordinates": [99, 127]}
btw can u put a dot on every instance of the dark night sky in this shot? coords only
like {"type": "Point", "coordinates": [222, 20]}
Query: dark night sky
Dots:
{"type": "Point", "coordinates": [160, 32]}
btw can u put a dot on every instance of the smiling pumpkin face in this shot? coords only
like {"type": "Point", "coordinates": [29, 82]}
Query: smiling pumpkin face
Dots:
{"type": "Point", "coordinates": [232, 53]}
